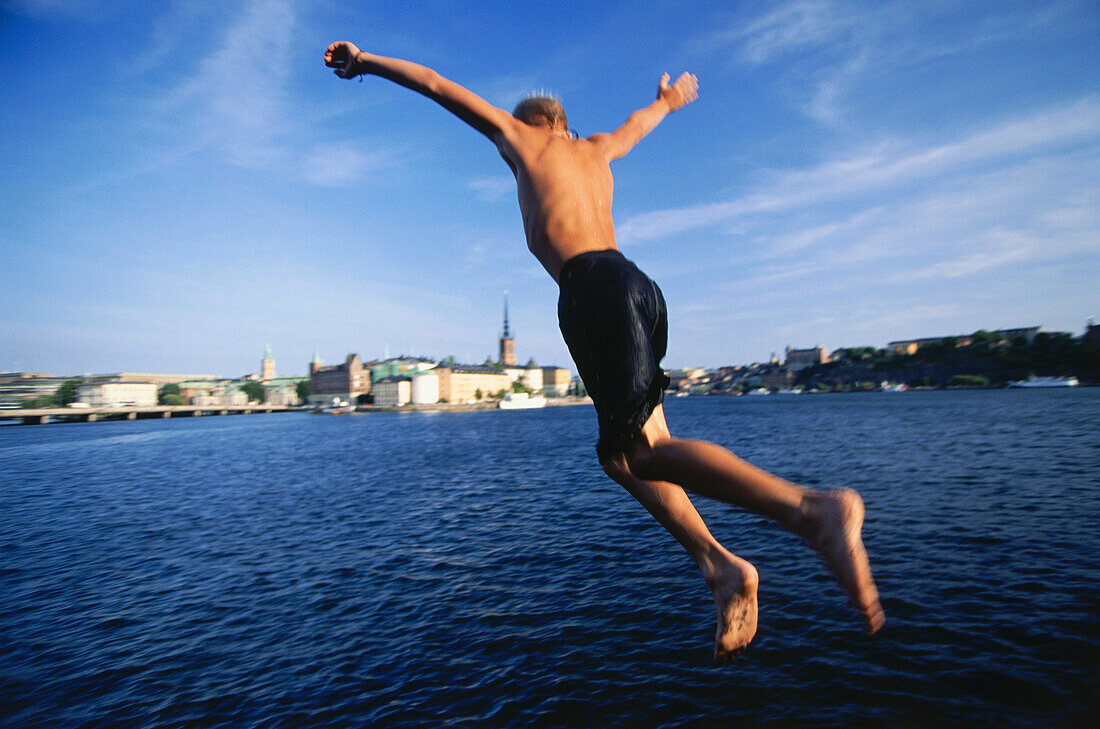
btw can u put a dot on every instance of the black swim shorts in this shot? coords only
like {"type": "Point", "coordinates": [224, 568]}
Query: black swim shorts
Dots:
{"type": "Point", "coordinates": [614, 321]}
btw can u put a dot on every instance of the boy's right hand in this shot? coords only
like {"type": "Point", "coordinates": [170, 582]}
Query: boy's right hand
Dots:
{"type": "Point", "coordinates": [341, 56]}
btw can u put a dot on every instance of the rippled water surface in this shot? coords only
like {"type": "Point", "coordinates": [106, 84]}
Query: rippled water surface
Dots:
{"type": "Point", "coordinates": [477, 569]}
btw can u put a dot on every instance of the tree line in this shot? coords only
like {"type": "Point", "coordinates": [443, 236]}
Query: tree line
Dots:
{"type": "Point", "coordinates": [983, 359]}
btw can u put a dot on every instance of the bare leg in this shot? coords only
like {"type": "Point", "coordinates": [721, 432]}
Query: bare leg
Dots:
{"type": "Point", "coordinates": [732, 580]}
{"type": "Point", "coordinates": [831, 521]}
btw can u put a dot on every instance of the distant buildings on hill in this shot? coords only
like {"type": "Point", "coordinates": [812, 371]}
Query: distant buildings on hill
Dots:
{"type": "Point", "coordinates": [777, 374]}
{"type": "Point", "coordinates": [910, 346]}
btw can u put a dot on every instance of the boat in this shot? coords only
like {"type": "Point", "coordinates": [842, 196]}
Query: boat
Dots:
{"type": "Point", "coordinates": [760, 391]}
{"type": "Point", "coordinates": [336, 407]}
{"type": "Point", "coordinates": [894, 387]}
{"type": "Point", "coordinates": [789, 391]}
{"type": "Point", "coordinates": [1034, 381]}
{"type": "Point", "coordinates": [521, 401]}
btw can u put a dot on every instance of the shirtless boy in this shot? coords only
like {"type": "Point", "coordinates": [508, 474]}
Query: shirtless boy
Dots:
{"type": "Point", "coordinates": [613, 319]}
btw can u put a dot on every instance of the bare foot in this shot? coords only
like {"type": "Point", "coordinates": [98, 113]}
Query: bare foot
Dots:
{"type": "Point", "coordinates": [835, 520]}
{"type": "Point", "coordinates": [733, 585]}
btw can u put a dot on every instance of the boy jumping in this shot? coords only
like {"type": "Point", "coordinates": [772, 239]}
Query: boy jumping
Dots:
{"type": "Point", "coordinates": [613, 319]}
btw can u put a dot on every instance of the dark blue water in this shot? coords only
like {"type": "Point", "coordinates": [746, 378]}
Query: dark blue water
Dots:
{"type": "Point", "coordinates": [477, 569]}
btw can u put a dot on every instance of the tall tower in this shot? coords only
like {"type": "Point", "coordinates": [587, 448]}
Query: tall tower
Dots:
{"type": "Point", "coordinates": [267, 366]}
{"type": "Point", "coordinates": [507, 341]}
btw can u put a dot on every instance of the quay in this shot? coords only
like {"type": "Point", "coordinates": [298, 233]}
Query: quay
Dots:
{"type": "Point", "coordinates": [41, 416]}
{"type": "Point", "coordinates": [444, 407]}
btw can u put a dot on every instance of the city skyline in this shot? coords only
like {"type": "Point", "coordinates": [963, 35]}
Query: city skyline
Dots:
{"type": "Point", "coordinates": [194, 183]}
{"type": "Point", "coordinates": [779, 355]}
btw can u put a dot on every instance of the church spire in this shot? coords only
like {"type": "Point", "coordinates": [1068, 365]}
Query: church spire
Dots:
{"type": "Point", "coordinates": [507, 341]}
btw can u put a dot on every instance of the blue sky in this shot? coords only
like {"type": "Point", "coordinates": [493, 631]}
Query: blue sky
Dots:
{"type": "Point", "coordinates": [184, 182]}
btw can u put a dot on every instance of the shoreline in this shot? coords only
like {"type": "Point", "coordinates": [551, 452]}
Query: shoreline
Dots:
{"type": "Point", "coordinates": [445, 407]}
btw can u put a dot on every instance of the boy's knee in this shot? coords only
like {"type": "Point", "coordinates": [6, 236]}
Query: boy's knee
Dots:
{"type": "Point", "coordinates": [616, 466]}
{"type": "Point", "coordinates": [637, 459]}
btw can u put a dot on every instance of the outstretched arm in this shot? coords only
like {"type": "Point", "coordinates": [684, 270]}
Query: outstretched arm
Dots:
{"type": "Point", "coordinates": [348, 62]}
{"type": "Point", "coordinates": [642, 122]}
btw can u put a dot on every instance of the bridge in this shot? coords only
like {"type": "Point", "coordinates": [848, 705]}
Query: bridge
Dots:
{"type": "Point", "coordinates": [41, 416]}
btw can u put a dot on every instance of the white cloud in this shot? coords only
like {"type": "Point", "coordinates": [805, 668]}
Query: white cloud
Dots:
{"type": "Point", "coordinates": [336, 165]}
{"type": "Point", "coordinates": [789, 27]}
{"type": "Point", "coordinates": [841, 44]}
{"type": "Point", "coordinates": [884, 168]}
{"type": "Point", "coordinates": [175, 29]}
{"type": "Point", "coordinates": [491, 189]}
{"type": "Point", "coordinates": [237, 100]}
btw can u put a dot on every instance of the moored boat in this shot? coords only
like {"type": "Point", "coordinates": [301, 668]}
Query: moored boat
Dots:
{"type": "Point", "coordinates": [522, 401]}
{"type": "Point", "coordinates": [1034, 381]}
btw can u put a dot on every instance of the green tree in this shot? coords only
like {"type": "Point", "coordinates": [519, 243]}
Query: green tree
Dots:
{"type": "Point", "coordinates": [302, 388]}
{"type": "Point", "coordinates": [968, 381]}
{"type": "Point", "coordinates": [170, 400]}
{"type": "Point", "coordinates": [478, 394]}
{"type": "Point", "coordinates": [66, 393]}
{"type": "Point", "coordinates": [984, 336]}
{"type": "Point", "coordinates": [169, 390]}
{"type": "Point", "coordinates": [254, 390]}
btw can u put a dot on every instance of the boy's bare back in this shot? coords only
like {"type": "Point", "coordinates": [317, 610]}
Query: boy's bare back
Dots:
{"type": "Point", "coordinates": [565, 184]}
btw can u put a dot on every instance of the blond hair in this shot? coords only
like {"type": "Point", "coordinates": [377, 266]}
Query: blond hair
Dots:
{"type": "Point", "coordinates": [540, 108]}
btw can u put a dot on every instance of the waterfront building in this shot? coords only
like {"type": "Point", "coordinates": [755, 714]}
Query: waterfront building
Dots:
{"type": "Point", "coordinates": [283, 391]}
{"type": "Point", "coordinates": [399, 367]}
{"type": "Point", "coordinates": [267, 365]}
{"type": "Point", "coordinates": [15, 387]}
{"type": "Point", "coordinates": [800, 359]}
{"type": "Point", "coordinates": [507, 342]}
{"type": "Point", "coordinates": [461, 383]}
{"type": "Point", "coordinates": [283, 396]}
{"type": "Point", "coordinates": [117, 394]}
{"type": "Point", "coordinates": [555, 381]}
{"type": "Point", "coordinates": [425, 388]}
{"type": "Point", "coordinates": [154, 378]}
{"type": "Point", "coordinates": [189, 389]}
{"type": "Point", "coordinates": [347, 382]}
{"type": "Point", "coordinates": [392, 391]}
{"type": "Point", "coordinates": [778, 378]}
{"type": "Point", "coordinates": [530, 375]}
{"type": "Point", "coordinates": [220, 396]}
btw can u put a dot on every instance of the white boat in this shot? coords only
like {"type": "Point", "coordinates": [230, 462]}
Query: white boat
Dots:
{"type": "Point", "coordinates": [336, 407]}
{"type": "Point", "coordinates": [894, 387]}
{"type": "Point", "coordinates": [760, 391]}
{"type": "Point", "coordinates": [789, 391]}
{"type": "Point", "coordinates": [521, 401]}
{"type": "Point", "coordinates": [1034, 381]}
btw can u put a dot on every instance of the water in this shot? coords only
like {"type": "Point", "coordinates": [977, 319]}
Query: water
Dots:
{"type": "Point", "coordinates": [477, 569]}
